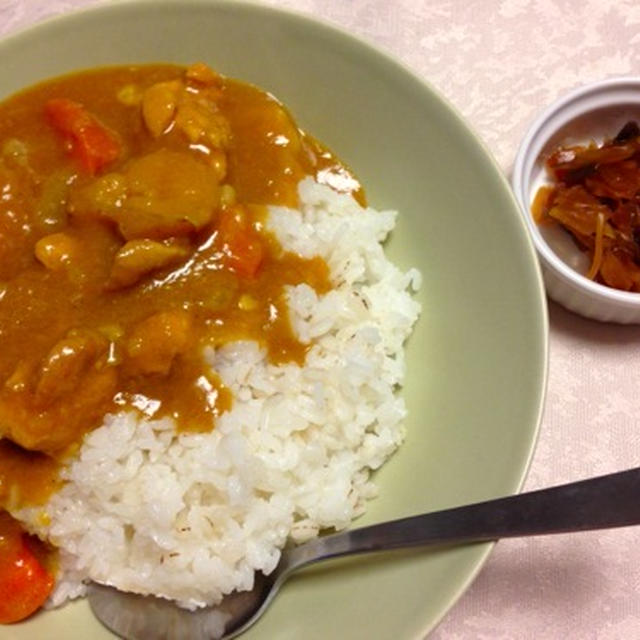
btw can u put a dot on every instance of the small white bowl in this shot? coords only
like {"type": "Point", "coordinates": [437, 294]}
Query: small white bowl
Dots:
{"type": "Point", "coordinates": [591, 113]}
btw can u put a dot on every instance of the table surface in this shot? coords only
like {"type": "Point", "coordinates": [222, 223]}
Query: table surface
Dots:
{"type": "Point", "coordinates": [499, 62]}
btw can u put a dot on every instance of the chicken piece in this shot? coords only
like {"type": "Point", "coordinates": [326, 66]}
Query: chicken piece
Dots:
{"type": "Point", "coordinates": [57, 251]}
{"type": "Point", "coordinates": [155, 342]}
{"type": "Point", "coordinates": [48, 406]}
{"type": "Point", "coordinates": [137, 258]}
{"type": "Point", "coordinates": [159, 104]}
{"type": "Point", "coordinates": [192, 109]}
{"type": "Point", "coordinates": [200, 121]}
{"type": "Point", "coordinates": [65, 366]}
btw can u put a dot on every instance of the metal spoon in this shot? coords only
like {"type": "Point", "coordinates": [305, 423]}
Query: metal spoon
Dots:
{"type": "Point", "coordinates": [598, 503]}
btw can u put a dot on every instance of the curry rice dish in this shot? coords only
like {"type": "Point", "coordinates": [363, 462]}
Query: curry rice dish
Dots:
{"type": "Point", "coordinates": [201, 338]}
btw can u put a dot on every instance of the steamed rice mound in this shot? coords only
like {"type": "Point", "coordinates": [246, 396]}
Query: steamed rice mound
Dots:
{"type": "Point", "coordinates": [192, 516]}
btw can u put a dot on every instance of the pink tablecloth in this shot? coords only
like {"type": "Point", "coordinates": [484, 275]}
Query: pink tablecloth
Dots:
{"type": "Point", "coordinates": [500, 62]}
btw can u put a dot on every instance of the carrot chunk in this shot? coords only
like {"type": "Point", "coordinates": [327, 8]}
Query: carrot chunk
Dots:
{"type": "Point", "coordinates": [24, 583]}
{"type": "Point", "coordinates": [92, 144]}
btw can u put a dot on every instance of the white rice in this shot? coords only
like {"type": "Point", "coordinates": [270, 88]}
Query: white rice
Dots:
{"type": "Point", "coordinates": [192, 516]}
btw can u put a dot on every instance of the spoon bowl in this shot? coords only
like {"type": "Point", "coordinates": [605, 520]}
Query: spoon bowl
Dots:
{"type": "Point", "coordinates": [597, 503]}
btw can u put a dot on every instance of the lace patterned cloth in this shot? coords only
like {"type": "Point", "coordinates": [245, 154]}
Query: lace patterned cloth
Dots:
{"type": "Point", "coordinates": [500, 62]}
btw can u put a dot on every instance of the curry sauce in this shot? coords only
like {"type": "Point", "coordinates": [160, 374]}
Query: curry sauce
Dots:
{"type": "Point", "coordinates": [132, 236]}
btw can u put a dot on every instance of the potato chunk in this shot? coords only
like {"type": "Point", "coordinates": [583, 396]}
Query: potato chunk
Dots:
{"type": "Point", "coordinates": [47, 406]}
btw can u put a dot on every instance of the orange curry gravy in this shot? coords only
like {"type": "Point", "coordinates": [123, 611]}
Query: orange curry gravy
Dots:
{"type": "Point", "coordinates": [131, 237]}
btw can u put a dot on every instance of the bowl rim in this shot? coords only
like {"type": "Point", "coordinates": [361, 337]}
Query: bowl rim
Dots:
{"type": "Point", "coordinates": [559, 113]}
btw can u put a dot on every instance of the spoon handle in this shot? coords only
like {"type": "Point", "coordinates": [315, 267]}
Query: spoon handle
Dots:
{"type": "Point", "coordinates": [598, 503]}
